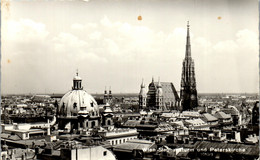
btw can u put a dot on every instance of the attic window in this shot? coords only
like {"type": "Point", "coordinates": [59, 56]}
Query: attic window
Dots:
{"type": "Point", "coordinates": [104, 153]}
{"type": "Point", "coordinates": [92, 104]}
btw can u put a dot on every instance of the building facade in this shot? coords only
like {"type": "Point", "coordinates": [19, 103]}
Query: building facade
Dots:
{"type": "Point", "coordinates": [160, 95]}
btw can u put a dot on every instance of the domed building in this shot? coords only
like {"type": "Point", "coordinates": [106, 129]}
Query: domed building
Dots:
{"type": "Point", "coordinates": [78, 109]}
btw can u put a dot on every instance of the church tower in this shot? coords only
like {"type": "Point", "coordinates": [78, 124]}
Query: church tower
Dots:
{"type": "Point", "coordinates": [188, 91]}
{"type": "Point", "coordinates": [151, 95]}
{"type": "Point", "coordinates": [159, 97]}
{"type": "Point", "coordinates": [105, 96]}
{"type": "Point", "coordinates": [110, 97]}
{"type": "Point", "coordinates": [142, 97]}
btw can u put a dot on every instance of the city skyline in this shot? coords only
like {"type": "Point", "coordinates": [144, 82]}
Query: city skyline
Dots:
{"type": "Point", "coordinates": [111, 47]}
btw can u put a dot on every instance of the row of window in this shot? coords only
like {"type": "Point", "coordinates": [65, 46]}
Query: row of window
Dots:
{"type": "Point", "coordinates": [119, 141]}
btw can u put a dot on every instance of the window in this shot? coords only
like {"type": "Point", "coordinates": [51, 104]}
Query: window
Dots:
{"type": "Point", "coordinates": [104, 153]}
{"type": "Point", "coordinates": [93, 124]}
{"type": "Point", "coordinates": [92, 104]}
{"type": "Point", "coordinates": [75, 105]}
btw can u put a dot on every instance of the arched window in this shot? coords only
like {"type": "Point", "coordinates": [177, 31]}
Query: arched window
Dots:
{"type": "Point", "coordinates": [108, 122]}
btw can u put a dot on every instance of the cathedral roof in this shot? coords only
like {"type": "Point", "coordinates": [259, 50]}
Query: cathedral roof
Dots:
{"type": "Point", "coordinates": [168, 89]}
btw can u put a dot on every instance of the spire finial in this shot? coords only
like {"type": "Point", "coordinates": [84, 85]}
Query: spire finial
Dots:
{"type": "Point", "coordinates": [188, 50]}
{"type": "Point", "coordinates": [77, 72]}
{"type": "Point", "coordinates": [152, 79]}
{"type": "Point", "coordinates": [110, 88]}
{"type": "Point", "coordinates": [159, 79]}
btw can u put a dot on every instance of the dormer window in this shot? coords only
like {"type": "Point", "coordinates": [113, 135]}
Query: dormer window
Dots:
{"type": "Point", "coordinates": [92, 104]}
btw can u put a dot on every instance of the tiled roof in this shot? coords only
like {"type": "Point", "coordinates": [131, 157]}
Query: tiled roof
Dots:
{"type": "Point", "coordinates": [229, 111]}
{"type": "Point", "coordinates": [209, 117]}
{"type": "Point", "coordinates": [195, 121]}
{"type": "Point", "coordinates": [169, 91]}
{"type": "Point", "coordinates": [222, 115]}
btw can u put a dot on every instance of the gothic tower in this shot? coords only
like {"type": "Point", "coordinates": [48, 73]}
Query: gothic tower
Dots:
{"type": "Point", "coordinates": [188, 82]}
{"type": "Point", "coordinates": [142, 97]}
{"type": "Point", "coordinates": [159, 96]}
{"type": "Point", "coordinates": [151, 95]}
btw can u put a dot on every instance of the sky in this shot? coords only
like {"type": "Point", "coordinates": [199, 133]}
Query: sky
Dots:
{"type": "Point", "coordinates": [45, 42]}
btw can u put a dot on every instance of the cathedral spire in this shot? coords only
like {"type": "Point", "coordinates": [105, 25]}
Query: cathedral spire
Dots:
{"type": "Point", "coordinates": [188, 90]}
{"type": "Point", "coordinates": [188, 48]}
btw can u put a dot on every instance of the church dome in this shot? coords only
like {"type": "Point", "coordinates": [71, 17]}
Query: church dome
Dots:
{"type": "Point", "coordinates": [77, 102]}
